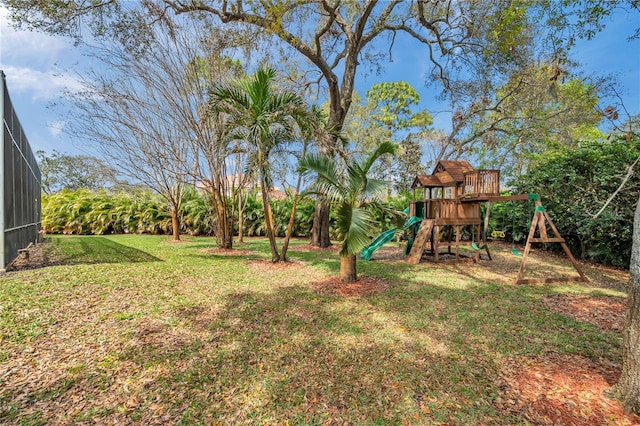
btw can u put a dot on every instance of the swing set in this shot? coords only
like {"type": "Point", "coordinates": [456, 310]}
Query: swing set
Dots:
{"type": "Point", "coordinates": [451, 200]}
{"type": "Point", "coordinates": [498, 234]}
{"type": "Point", "coordinates": [539, 232]}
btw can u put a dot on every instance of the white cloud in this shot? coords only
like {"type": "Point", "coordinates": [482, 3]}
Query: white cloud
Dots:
{"type": "Point", "coordinates": [22, 47]}
{"type": "Point", "coordinates": [30, 61]}
{"type": "Point", "coordinates": [39, 85]}
{"type": "Point", "coordinates": [56, 127]}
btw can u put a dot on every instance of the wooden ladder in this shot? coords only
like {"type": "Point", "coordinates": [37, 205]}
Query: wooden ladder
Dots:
{"type": "Point", "coordinates": [426, 227]}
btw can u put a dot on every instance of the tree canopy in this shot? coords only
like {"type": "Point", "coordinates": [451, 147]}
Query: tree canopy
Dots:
{"type": "Point", "coordinates": [63, 171]}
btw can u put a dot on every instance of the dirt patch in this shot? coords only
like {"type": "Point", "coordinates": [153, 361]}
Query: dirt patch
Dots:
{"type": "Point", "coordinates": [365, 286]}
{"type": "Point", "coordinates": [309, 248]}
{"type": "Point", "coordinates": [606, 313]}
{"type": "Point", "coordinates": [390, 252]}
{"type": "Point", "coordinates": [559, 389]}
{"type": "Point", "coordinates": [38, 256]}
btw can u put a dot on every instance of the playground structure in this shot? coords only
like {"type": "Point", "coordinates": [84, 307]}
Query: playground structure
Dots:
{"type": "Point", "coordinates": [387, 236]}
{"type": "Point", "coordinates": [451, 197]}
{"type": "Point", "coordinates": [450, 201]}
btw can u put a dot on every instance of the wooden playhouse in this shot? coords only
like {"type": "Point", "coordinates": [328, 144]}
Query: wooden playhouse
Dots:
{"type": "Point", "coordinates": [449, 200]}
{"type": "Point", "coordinates": [450, 197]}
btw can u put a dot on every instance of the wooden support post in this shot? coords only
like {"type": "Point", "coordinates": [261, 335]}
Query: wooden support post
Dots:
{"type": "Point", "coordinates": [478, 241]}
{"type": "Point", "coordinates": [436, 243]}
{"type": "Point", "coordinates": [527, 247]}
{"type": "Point", "coordinates": [486, 247]}
{"type": "Point", "coordinates": [486, 229]}
{"type": "Point", "coordinates": [539, 222]}
{"type": "Point", "coordinates": [564, 246]}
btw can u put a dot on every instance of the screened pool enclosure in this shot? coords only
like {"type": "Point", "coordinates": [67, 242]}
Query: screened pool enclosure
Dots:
{"type": "Point", "coordinates": [20, 203]}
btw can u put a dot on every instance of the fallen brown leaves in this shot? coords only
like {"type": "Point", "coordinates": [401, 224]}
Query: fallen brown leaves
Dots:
{"type": "Point", "coordinates": [555, 389]}
{"type": "Point", "coordinates": [117, 353]}
{"type": "Point", "coordinates": [606, 313]}
{"type": "Point", "coordinates": [38, 257]}
{"type": "Point", "coordinates": [309, 248]}
{"type": "Point", "coordinates": [365, 286]}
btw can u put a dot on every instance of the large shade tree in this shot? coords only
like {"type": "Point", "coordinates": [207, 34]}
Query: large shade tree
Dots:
{"type": "Point", "coordinates": [392, 108]}
{"type": "Point", "coordinates": [540, 108]}
{"type": "Point", "coordinates": [353, 194]}
{"type": "Point", "coordinates": [627, 390]}
{"type": "Point", "coordinates": [468, 44]}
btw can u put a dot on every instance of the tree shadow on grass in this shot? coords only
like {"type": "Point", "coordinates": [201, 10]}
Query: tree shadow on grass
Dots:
{"type": "Point", "coordinates": [421, 353]}
{"type": "Point", "coordinates": [79, 250]}
{"type": "Point", "coordinates": [302, 357]}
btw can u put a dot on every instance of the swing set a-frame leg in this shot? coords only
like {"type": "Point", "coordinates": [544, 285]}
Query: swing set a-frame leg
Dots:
{"type": "Point", "coordinates": [538, 222]}
{"type": "Point", "coordinates": [527, 248]}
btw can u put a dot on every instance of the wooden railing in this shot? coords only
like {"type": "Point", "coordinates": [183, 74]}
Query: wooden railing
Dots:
{"type": "Point", "coordinates": [441, 208]}
{"type": "Point", "coordinates": [481, 183]}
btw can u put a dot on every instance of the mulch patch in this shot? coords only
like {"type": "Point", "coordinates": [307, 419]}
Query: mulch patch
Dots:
{"type": "Point", "coordinates": [604, 312]}
{"type": "Point", "coordinates": [365, 286]}
{"type": "Point", "coordinates": [555, 389]}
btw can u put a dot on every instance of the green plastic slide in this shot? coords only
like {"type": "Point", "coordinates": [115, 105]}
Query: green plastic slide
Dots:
{"type": "Point", "coordinates": [381, 240]}
{"type": "Point", "coordinates": [385, 237]}
{"type": "Point", "coordinates": [411, 221]}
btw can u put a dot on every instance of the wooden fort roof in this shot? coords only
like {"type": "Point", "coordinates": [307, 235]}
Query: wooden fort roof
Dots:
{"type": "Point", "coordinates": [445, 173]}
{"type": "Point", "coordinates": [456, 168]}
{"type": "Point", "coordinates": [425, 181]}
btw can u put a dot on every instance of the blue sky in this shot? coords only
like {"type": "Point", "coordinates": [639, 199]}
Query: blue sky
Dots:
{"type": "Point", "coordinates": [37, 69]}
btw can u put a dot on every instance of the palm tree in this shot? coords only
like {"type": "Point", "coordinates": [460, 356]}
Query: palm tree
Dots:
{"type": "Point", "coordinates": [352, 194]}
{"type": "Point", "coordinates": [265, 119]}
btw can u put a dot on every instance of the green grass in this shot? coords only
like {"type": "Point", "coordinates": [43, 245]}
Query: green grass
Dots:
{"type": "Point", "coordinates": [139, 329]}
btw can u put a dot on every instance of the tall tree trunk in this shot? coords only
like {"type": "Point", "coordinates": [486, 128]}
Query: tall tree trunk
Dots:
{"type": "Point", "coordinates": [390, 176]}
{"type": "Point", "coordinates": [268, 219]}
{"type": "Point", "coordinates": [242, 198]}
{"type": "Point", "coordinates": [175, 224]}
{"type": "Point", "coordinates": [485, 229]}
{"type": "Point", "coordinates": [228, 235]}
{"type": "Point", "coordinates": [224, 234]}
{"type": "Point", "coordinates": [627, 390]}
{"type": "Point", "coordinates": [242, 193]}
{"type": "Point", "coordinates": [348, 271]}
{"type": "Point", "coordinates": [287, 235]}
{"type": "Point", "coordinates": [320, 231]}
{"type": "Point", "coordinates": [294, 206]}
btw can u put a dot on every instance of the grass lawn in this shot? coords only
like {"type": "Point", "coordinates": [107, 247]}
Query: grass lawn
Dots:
{"type": "Point", "coordinates": [140, 330]}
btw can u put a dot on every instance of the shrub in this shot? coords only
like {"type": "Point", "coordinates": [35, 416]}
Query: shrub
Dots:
{"type": "Point", "coordinates": [573, 185]}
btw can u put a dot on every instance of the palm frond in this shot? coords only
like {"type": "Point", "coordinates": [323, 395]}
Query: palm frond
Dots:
{"type": "Point", "coordinates": [357, 223]}
{"type": "Point", "coordinates": [323, 171]}
{"type": "Point", "coordinates": [374, 186]}
{"type": "Point", "coordinates": [383, 148]}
